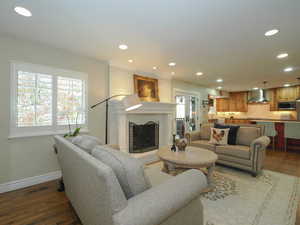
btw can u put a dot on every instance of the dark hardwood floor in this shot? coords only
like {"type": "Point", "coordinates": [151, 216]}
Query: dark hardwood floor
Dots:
{"type": "Point", "coordinates": [43, 205]}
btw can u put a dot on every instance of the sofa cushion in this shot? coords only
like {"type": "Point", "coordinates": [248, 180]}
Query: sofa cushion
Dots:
{"type": "Point", "coordinates": [233, 130]}
{"type": "Point", "coordinates": [205, 131]}
{"type": "Point", "coordinates": [239, 151]}
{"type": "Point", "coordinates": [234, 160]}
{"type": "Point", "coordinates": [129, 170]}
{"type": "Point", "coordinates": [219, 136]}
{"type": "Point", "coordinates": [203, 144]}
{"type": "Point", "coordinates": [247, 134]}
{"type": "Point", "coordinates": [86, 142]}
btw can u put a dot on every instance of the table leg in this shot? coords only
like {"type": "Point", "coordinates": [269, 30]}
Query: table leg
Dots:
{"type": "Point", "coordinates": [210, 179]}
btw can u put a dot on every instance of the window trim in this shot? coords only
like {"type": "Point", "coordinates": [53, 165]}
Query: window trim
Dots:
{"type": "Point", "coordinates": [15, 131]}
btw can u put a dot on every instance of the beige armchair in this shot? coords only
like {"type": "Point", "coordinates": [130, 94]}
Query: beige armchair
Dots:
{"type": "Point", "coordinates": [248, 153]}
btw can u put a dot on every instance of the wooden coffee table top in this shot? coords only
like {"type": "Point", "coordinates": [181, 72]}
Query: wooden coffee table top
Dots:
{"type": "Point", "coordinates": [191, 157]}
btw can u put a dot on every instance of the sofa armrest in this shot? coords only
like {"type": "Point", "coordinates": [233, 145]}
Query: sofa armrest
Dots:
{"type": "Point", "coordinates": [155, 205]}
{"type": "Point", "coordinates": [192, 136]}
{"type": "Point", "coordinates": [258, 147]}
{"type": "Point", "coordinates": [260, 143]}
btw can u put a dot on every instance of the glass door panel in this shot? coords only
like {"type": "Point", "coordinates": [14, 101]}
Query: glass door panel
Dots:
{"type": "Point", "coordinates": [186, 113]}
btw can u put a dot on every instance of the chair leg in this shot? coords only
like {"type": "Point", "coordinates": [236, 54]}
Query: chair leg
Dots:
{"type": "Point", "coordinates": [285, 144]}
{"type": "Point", "coordinates": [273, 143]}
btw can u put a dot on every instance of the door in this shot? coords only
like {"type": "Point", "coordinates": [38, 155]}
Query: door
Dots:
{"type": "Point", "coordinates": [186, 113]}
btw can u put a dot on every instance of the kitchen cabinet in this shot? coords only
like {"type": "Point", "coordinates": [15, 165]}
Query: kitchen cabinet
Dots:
{"type": "Point", "coordinates": [237, 121]}
{"type": "Point", "coordinates": [222, 104]}
{"type": "Point", "coordinates": [287, 94]}
{"type": "Point", "coordinates": [272, 95]}
{"type": "Point", "coordinates": [237, 102]}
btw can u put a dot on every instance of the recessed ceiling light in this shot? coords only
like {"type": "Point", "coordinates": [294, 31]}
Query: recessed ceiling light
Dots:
{"type": "Point", "coordinates": [286, 85]}
{"type": "Point", "coordinates": [199, 73]}
{"type": "Point", "coordinates": [219, 80]}
{"type": "Point", "coordinates": [22, 11]}
{"type": "Point", "coordinates": [255, 88]}
{"type": "Point", "coordinates": [173, 73]}
{"type": "Point", "coordinates": [154, 67]}
{"type": "Point", "coordinates": [130, 60]}
{"type": "Point", "coordinates": [288, 69]}
{"type": "Point", "coordinates": [172, 64]}
{"type": "Point", "coordinates": [271, 32]}
{"type": "Point", "coordinates": [282, 55]}
{"type": "Point", "coordinates": [219, 88]}
{"type": "Point", "coordinates": [123, 47]}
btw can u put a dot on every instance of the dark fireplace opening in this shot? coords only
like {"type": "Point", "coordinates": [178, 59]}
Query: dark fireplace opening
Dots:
{"type": "Point", "coordinates": [143, 137]}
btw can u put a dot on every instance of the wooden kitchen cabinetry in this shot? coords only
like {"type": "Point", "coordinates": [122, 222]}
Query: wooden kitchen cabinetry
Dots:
{"type": "Point", "coordinates": [222, 104]}
{"type": "Point", "coordinates": [287, 94]}
{"type": "Point", "coordinates": [237, 102]}
{"type": "Point", "coordinates": [272, 95]}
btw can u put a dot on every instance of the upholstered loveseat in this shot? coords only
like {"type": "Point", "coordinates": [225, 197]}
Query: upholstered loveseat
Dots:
{"type": "Point", "coordinates": [97, 195]}
{"type": "Point", "coordinates": [248, 153]}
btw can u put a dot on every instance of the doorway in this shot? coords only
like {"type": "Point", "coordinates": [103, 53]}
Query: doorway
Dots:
{"type": "Point", "coordinates": [187, 112]}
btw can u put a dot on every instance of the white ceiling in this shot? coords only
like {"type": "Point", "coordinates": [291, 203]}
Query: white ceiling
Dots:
{"type": "Point", "coordinates": [221, 38]}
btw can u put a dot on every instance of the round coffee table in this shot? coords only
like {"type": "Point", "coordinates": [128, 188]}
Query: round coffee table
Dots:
{"type": "Point", "coordinates": [191, 158]}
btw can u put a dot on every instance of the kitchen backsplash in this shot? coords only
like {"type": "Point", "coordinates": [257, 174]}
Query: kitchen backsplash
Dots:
{"type": "Point", "coordinates": [260, 111]}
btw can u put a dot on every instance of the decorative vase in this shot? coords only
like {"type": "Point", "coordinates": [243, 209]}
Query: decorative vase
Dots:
{"type": "Point", "coordinates": [181, 144]}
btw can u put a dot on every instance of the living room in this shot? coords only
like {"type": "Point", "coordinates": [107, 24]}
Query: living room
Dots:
{"type": "Point", "coordinates": [147, 113]}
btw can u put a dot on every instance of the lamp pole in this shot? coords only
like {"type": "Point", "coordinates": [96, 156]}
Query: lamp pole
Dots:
{"type": "Point", "coordinates": [106, 113]}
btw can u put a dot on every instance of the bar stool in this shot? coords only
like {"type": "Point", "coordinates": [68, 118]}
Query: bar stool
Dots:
{"type": "Point", "coordinates": [291, 130]}
{"type": "Point", "coordinates": [269, 130]}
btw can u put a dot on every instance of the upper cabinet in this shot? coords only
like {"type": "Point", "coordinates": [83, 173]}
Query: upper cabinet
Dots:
{"type": "Point", "coordinates": [272, 94]}
{"type": "Point", "coordinates": [237, 102]}
{"type": "Point", "coordinates": [222, 104]}
{"type": "Point", "coordinates": [287, 94]}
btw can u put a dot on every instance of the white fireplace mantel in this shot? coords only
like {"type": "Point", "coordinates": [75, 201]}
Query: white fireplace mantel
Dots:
{"type": "Point", "coordinates": [119, 121]}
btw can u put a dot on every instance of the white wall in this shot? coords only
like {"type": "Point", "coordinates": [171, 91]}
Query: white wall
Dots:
{"type": "Point", "coordinates": [26, 157]}
{"type": "Point", "coordinates": [121, 82]}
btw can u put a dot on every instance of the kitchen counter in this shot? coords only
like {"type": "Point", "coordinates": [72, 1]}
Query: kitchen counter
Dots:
{"type": "Point", "coordinates": [263, 120]}
{"type": "Point", "coordinates": [275, 121]}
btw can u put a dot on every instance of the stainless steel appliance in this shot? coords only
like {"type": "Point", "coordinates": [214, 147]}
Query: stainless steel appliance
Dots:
{"type": "Point", "coordinates": [258, 95]}
{"type": "Point", "coordinates": [298, 108]}
{"type": "Point", "coordinates": [287, 105]}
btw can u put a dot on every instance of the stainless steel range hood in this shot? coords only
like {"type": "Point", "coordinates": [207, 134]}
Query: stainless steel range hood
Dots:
{"type": "Point", "coordinates": [258, 96]}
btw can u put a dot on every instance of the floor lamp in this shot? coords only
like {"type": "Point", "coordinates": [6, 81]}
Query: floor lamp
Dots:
{"type": "Point", "coordinates": [130, 102]}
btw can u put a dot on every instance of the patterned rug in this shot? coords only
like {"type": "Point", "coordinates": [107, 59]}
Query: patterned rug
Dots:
{"type": "Point", "coordinates": [240, 199]}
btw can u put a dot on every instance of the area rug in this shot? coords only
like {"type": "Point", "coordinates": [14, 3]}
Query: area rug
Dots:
{"type": "Point", "coordinates": [240, 199]}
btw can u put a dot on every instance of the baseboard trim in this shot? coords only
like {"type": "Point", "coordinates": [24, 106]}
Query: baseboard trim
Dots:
{"type": "Point", "coordinates": [26, 182]}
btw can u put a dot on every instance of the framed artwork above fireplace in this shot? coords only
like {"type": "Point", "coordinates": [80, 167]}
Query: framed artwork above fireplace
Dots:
{"type": "Point", "coordinates": [146, 88]}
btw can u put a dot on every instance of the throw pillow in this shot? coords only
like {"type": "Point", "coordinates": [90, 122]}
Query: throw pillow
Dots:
{"type": "Point", "coordinates": [129, 170]}
{"type": "Point", "coordinates": [219, 136]}
{"type": "Point", "coordinates": [233, 131]}
{"type": "Point", "coordinates": [86, 142]}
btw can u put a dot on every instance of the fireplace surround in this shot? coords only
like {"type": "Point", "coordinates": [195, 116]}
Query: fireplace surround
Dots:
{"type": "Point", "coordinates": [162, 113]}
{"type": "Point", "coordinates": [143, 137]}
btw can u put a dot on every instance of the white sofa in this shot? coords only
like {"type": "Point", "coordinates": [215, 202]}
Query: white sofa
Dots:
{"type": "Point", "coordinates": [98, 199]}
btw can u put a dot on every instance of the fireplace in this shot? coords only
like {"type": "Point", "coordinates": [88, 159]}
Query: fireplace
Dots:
{"type": "Point", "coordinates": [143, 137]}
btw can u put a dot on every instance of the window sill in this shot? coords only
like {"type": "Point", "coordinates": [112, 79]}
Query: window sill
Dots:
{"type": "Point", "coordinates": [46, 133]}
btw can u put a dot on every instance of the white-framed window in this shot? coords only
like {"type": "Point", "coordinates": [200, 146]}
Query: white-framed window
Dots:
{"type": "Point", "coordinates": [46, 100]}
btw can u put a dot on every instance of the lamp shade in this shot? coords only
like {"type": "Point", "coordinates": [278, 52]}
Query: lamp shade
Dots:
{"type": "Point", "coordinates": [131, 102]}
